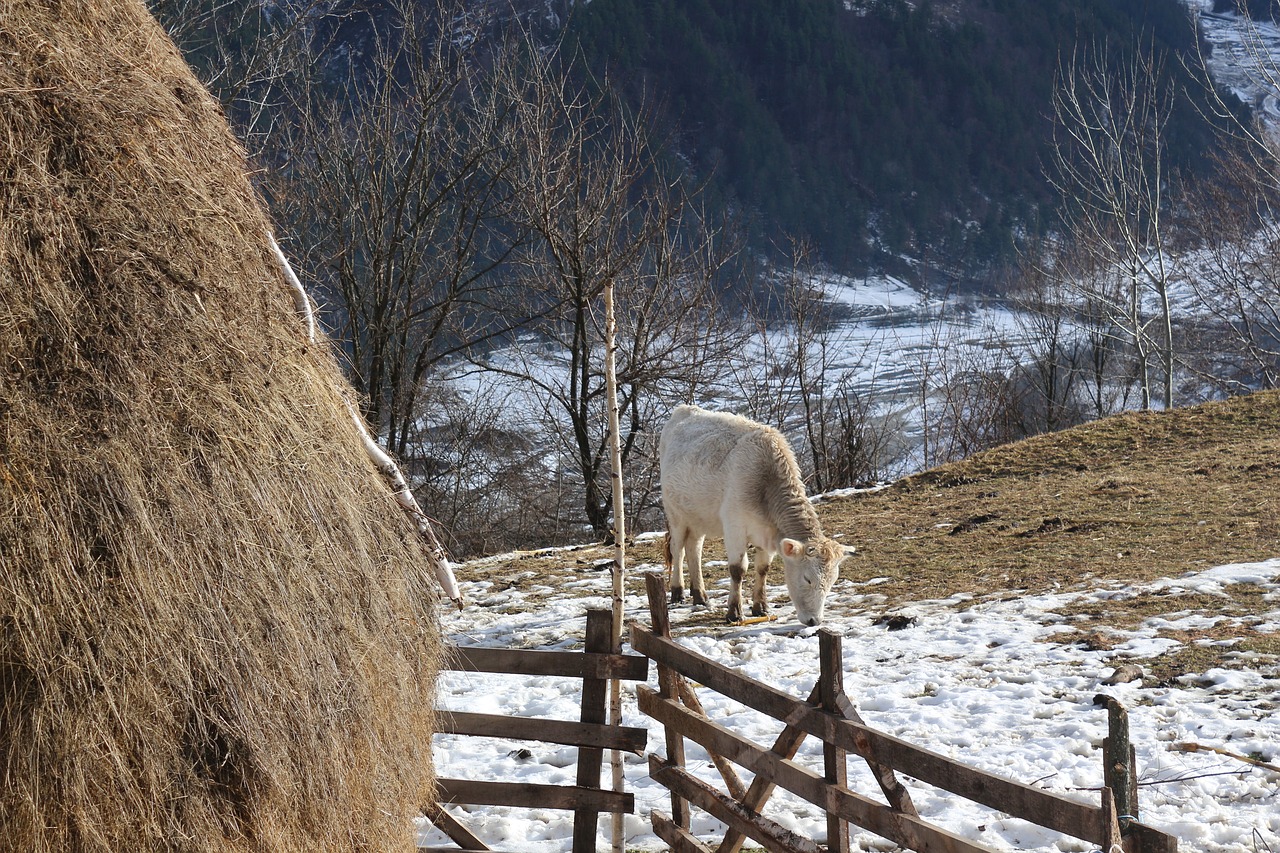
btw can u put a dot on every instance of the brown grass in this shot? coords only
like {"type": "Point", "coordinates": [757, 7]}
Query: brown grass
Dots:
{"type": "Point", "coordinates": [1122, 500]}
{"type": "Point", "coordinates": [1251, 651]}
{"type": "Point", "coordinates": [214, 632]}
{"type": "Point", "coordinates": [1128, 498]}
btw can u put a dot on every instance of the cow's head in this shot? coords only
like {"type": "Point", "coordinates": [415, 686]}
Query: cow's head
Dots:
{"type": "Point", "coordinates": [811, 568]}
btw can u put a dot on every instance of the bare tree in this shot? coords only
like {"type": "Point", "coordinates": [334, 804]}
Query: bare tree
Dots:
{"type": "Point", "coordinates": [783, 374]}
{"type": "Point", "coordinates": [1109, 166]}
{"type": "Point", "coordinates": [480, 471]}
{"type": "Point", "coordinates": [591, 193]}
{"type": "Point", "coordinates": [247, 53]}
{"type": "Point", "coordinates": [803, 377]}
{"type": "Point", "coordinates": [397, 199]}
{"type": "Point", "coordinates": [1066, 343]}
{"type": "Point", "coordinates": [1236, 277]}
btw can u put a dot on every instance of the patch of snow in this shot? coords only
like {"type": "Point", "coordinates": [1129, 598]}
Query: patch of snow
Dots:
{"type": "Point", "coordinates": [972, 679]}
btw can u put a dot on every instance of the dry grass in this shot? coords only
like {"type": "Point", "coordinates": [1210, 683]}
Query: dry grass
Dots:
{"type": "Point", "coordinates": [1125, 499]}
{"type": "Point", "coordinates": [214, 632]}
{"type": "Point", "coordinates": [1129, 498]}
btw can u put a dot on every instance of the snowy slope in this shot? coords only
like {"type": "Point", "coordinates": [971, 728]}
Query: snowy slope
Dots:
{"type": "Point", "coordinates": [1244, 56]}
{"type": "Point", "coordinates": [975, 680]}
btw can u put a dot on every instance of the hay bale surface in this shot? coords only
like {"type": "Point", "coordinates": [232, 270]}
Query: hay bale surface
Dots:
{"type": "Point", "coordinates": [215, 629]}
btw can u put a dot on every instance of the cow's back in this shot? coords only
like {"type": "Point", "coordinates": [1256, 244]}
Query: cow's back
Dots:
{"type": "Point", "coordinates": [703, 455]}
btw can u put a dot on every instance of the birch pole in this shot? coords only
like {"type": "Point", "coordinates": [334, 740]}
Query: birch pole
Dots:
{"type": "Point", "coordinates": [619, 541]}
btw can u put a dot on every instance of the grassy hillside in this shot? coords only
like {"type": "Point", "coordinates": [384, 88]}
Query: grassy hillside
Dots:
{"type": "Point", "coordinates": [1127, 499]}
{"type": "Point", "coordinates": [1131, 497]}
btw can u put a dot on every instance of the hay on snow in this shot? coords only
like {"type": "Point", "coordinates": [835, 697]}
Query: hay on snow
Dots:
{"type": "Point", "coordinates": [216, 630]}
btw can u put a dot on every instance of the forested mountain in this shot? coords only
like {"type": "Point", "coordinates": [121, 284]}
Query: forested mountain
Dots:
{"type": "Point", "coordinates": [877, 128]}
{"type": "Point", "coordinates": [458, 182]}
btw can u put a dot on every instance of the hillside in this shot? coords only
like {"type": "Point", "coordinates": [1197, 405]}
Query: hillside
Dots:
{"type": "Point", "coordinates": [875, 128]}
{"type": "Point", "coordinates": [879, 126]}
{"type": "Point", "coordinates": [1126, 499]}
{"type": "Point", "coordinates": [1131, 497]}
{"type": "Point", "coordinates": [1025, 625]}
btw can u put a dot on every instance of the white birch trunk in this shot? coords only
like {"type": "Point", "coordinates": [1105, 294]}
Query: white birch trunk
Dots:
{"type": "Point", "coordinates": [404, 497]}
{"type": "Point", "coordinates": [619, 541]}
{"type": "Point", "coordinates": [301, 302]}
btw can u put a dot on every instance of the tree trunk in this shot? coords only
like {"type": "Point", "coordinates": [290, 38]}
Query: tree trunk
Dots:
{"type": "Point", "coordinates": [619, 540]}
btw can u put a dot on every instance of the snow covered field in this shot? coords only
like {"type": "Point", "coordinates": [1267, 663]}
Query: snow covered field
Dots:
{"type": "Point", "coordinates": [1244, 56]}
{"type": "Point", "coordinates": [972, 678]}
{"type": "Point", "coordinates": [895, 345]}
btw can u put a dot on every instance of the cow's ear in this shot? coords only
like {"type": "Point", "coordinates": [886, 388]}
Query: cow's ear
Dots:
{"type": "Point", "coordinates": [791, 547]}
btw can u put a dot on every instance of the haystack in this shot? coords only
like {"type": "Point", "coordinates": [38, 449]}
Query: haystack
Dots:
{"type": "Point", "coordinates": [216, 630]}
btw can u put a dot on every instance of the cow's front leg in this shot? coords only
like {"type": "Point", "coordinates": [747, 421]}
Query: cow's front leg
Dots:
{"type": "Point", "coordinates": [759, 606]}
{"type": "Point", "coordinates": [737, 554]}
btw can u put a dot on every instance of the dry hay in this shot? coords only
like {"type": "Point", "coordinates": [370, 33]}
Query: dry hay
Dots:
{"type": "Point", "coordinates": [215, 631]}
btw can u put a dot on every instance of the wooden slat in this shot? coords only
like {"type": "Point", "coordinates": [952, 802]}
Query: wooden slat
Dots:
{"type": "Point", "coordinates": [628, 738]}
{"type": "Point", "coordinates": [894, 791]}
{"type": "Point", "coordinates": [1110, 822]}
{"type": "Point", "coordinates": [668, 685]}
{"type": "Point", "coordinates": [786, 746]}
{"type": "Point", "coordinates": [679, 839]}
{"type": "Point", "coordinates": [732, 781]}
{"type": "Point", "coordinates": [452, 827]}
{"type": "Point", "coordinates": [535, 662]}
{"type": "Point", "coordinates": [835, 763]}
{"type": "Point", "coordinates": [772, 835]}
{"type": "Point", "coordinates": [528, 795]}
{"type": "Point", "coordinates": [586, 819]}
{"type": "Point", "coordinates": [1041, 807]}
{"type": "Point", "coordinates": [1151, 840]}
{"type": "Point", "coordinates": [902, 829]}
{"type": "Point", "coordinates": [1118, 770]}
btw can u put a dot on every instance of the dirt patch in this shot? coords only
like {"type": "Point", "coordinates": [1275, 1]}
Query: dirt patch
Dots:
{"type": "Point", "coordinates": [1254, 651]}
{"type": "Point", "coordinates": [1128, 612]}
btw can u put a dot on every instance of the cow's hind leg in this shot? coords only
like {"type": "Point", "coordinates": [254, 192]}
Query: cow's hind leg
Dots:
{"type": "Point", "coordinates": [674, 548]}
{"type": "Point", "coordinates": [759, 606]}
{"type": "Point", "coordinates": [735, 548]}
{"type": "Point", "coordinates": [696, 585]}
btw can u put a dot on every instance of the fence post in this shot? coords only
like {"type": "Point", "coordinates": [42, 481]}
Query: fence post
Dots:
{"type": "Point", "coordinates": [600, 640]}
{"type": "Point", "coordinates": [668, 688]}
{"type": "Point", "coordinates": [1119, 767]}
{"type": "Point", "coordinates": [834, 761]}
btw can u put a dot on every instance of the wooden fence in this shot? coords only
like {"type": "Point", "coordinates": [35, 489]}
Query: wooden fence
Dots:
{"type": "Point", "coordinates": [595, 666]}
{"type": "Point", "coordinates": [829, 716]}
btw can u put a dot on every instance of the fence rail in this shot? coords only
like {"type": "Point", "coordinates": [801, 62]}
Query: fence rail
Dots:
{"type": "Point", "coordinates": [827, 714]}
{"type": "Point", "coordinates": [595, 666]}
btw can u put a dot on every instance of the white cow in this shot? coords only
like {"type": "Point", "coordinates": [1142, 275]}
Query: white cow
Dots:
{"type": "Point", "coordinates": [725, 475]}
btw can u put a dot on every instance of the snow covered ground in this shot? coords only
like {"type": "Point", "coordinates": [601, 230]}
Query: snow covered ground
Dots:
{"type": "Point", "coordinates": [895, 345]}
{"type": "Point", "coordinates": [972, 678]}
{"type": "Point", "coordinates": [1244, 57]}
